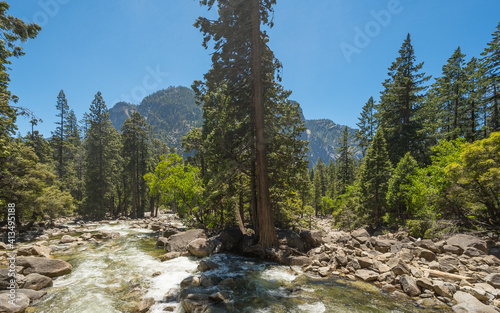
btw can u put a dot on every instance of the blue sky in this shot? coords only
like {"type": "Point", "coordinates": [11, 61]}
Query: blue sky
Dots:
{"type": "Point", "coordinates": [335, 53]}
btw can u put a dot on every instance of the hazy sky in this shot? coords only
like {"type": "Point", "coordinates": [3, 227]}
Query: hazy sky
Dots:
{"type": "Point", "coordinates": [335, 53]}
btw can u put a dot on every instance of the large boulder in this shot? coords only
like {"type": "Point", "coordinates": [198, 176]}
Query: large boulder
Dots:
{"type": "Point", "coordinates": [297, 260]}
{"type": "Point", "coordinates": [179, 242]}
{"type": "Point", "coordinates": [161, 241]}
{"type": "Point", "coordinates": [202, 247]}
{"type": "Point", "coordinates": [36, 281]}
{"type": "Point", "coordinates": [312, 238]}
{"type": "Point", "coordinates": [493, 279]}
{"type": "Point", "coordinates": [360, 233]}
{"type": "Point", "coordinates": [291, 239]}
{"type": "Point", "coordinates": [41, 250]}
{"type": "Point", "coordinates": [5, 279]}
{"type": "Point", "coordinates": [465, 241]}
{"type": "Point", "coordinates": [195, 303]}
{"type": "Point", "coordinates": [467, 303]}
{"type": "Point", "coordinates": [366, 275]}
{"type": "Point", "coordinates": [144, 305]}
{"type": "Point", "coordinates": [230, 238]}
{"type": "Point", "coordinates": [20, 304]}
{"type": "Point", "coordinates": [44, 266]}
{"type": "Point", "coordinates": [68, 239]}
{"type": "Point", "coordinates": [33, 295]}
{"type": "Point", "coordinates": [409, 285]}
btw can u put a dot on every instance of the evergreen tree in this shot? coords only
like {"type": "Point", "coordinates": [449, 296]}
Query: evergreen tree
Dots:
{"type": "Point", "coordinates": [345, 163]}
{"type": "Point", "coordinates": [241, 89]}
{"type": "Point", "coordinates": [367, 125]}
{"type": "Point", "coordinates": [101, 160]}
{"type": "Point", "coordinates": [475, 94]}
{"type": "Point", "coordinates": [135, 136]}
{"type": "Point", "coordinates": [374, 178]}
{"type": "Point", "coordinates": [397, 194]}
{"type": "Point", "coordinates": [320, 184]}
{"type": "Point", "coordinates": [491, 64]}
{"type": "Point", "coordinates": [59, 136]}
{"type": "Point", "coordinates": [452, 96]}
{"type": "Point", "coordinates": [400, 104]}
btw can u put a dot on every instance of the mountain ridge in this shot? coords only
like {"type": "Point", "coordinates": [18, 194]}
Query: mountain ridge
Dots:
{"type": "Point", "coordinates": [172, 112]}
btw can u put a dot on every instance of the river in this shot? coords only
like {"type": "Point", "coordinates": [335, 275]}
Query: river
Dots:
{"type": "Point", "coordinates": [109, 276]}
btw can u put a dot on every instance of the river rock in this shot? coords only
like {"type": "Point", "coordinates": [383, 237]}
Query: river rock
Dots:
{"type": "Point", "coordinates": [169, 232]}
{"type": "Point", "coordinates": [207, 265]}
{"type": "Point", "coordinates": [44, 266]}
{"type": "Point", "coordinates": [425, 283]}
{"type": "Point", "coordinates": [473, 252]}
{"type": "Point", "coordinates": [86, 236]}
{"type": "Point", "coordinates": [33, 295]}
{"type": "Point", "coordinates": [493, 279]}
{"type": "Point", "coordinates": [21, 303]}
{"type": "Point", "coordinates": [429, 245]}
{"type": "Point", "coordinates": [479, 293]}
{"type": "Point", "coordinates": [195, 303]}
{"type": "Point", "coordinates": [202, 247]}
{"type": "Point", "coordinates": [398, 267]}
{"type": "Point", "coordinates": [161, 241]}
{"type": "Point", "coordinates": [366, 275]}
{"type": "Point", "coordinates": [442, 289]}
{"type": "Point", "coordinates": [297, 260]}
{"type": "Point", "coordinates": [179, 242]}
{"type": "Point", "coordinates": [448, 264]}
{"type": "Point", "coordinates": [170, 256]}
{"type": "Point", "coordinates": [230, 238]}
{"type": "Point", "coordinates": [291, 239]}
{"type": "Point", "coordinates": [5, 279]}
{"type": "Point", "coordinates": [465, 241]}
{"type": "Point", "coordinates": [41, 250]}
{"type": "Point", "coordinates": [428, 255]}
{"type": "Point", "coordinates": [453, 249]}
{"type": "Point", "coordinates": [67, 239]}
{"type": "Point", "coordinates": [144, 305]}
{"type": "Point", "coordinates": [220, 296]}
{"type": "Point", "coordinates": [409, 285]}
{"type": "Point", "coordinates": [382, 245]}
{"type": "Point", "coordinates": [312, 238]}
{"type": "Point", "coordinates": [36, 281]}
{"type": "Point", "coordinates": [191, 281]}
{"type": "Point", "coordinates": [360, 233]}
{"type": "Point", "coordinates": [104, 234]}
{"type": "Point", "coordinates": [467, 303]}
{"type": "Point", "coordinates": [3, 246]}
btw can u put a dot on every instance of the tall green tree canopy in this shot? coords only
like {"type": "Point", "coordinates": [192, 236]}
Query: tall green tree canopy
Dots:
{"type": "Point", "coordinates": [400, 104]}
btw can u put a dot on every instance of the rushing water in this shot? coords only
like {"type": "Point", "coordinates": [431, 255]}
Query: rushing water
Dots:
{"type": "Point", "coordinates": [108, 277]}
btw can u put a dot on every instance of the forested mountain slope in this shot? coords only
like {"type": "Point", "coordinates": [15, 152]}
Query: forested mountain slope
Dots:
{"type": "Point", "coordinates": [173, 112]}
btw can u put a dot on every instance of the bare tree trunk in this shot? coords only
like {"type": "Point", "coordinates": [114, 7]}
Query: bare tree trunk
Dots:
{"type": "Point", "coordinates": [267, 236]}
{"type": "Point", "coordinates": [253, 201]}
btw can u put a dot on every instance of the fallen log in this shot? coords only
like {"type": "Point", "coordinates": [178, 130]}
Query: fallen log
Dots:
{"type": "Point", "coordinates": [446, 275]}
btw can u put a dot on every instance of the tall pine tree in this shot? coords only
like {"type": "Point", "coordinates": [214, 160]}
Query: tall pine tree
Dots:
{"type": "Point", "coordinates": [102, 154]}
{"type": "Point", "coordinates": [367, 125]}
{"type": "Point", "coordinates": [491, 64]}
{"type": "Point", "coordinates": [400, 104]}
{"type": "Point", "coordinates": [374, 178]}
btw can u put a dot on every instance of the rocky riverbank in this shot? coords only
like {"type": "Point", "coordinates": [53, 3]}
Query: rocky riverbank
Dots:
{"type": "Point", "coordinates": [458, 272]}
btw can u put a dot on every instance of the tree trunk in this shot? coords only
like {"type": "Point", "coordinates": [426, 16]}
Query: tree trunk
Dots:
{"type": "Point", "coordinates": [267, 232]}
{"type": "Point", "coordinates": [253, 201]}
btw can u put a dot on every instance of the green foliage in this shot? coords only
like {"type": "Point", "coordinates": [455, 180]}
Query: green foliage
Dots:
{"type": "Point", "coordinates": [175, 180]}
{"type": "Point", "coordinates": [398, 190]}
{"type": "Point", "coordinates": [427, 190]}
{"type": "Point", "coordinates": [374, 178]}
{"type": "Point", "coordinates": [367, 125]}
{"type": "Point", "coordinates": [345, 163]}
{"type": "Point", "coordinates": [349, 214]}
{"type": "Point", "coordinates": [476, 178]}
{"type": "Point", "coordinates": [135, 153]}
{"type": "Point", "coordinates": [102, 160]}
{"type": "Point", "coordinates": [32, 186]}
